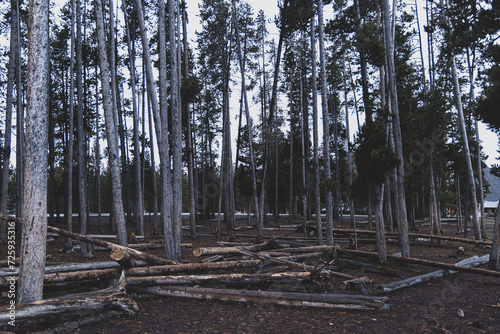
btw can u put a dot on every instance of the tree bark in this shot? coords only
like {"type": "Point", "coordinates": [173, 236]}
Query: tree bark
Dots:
{"type": "Point", "coordinates": [218, 279]}
{"type": "Point", "coordinates": [317, 193]}
{"type": "Point", "coordinates": [494, 263]}
{"type": "Point", "coordinates": [390, 287]}
{"type": "Point", "coordinates": [326, 128]}
{"type": "Point", "coordinates": [111, 132]}
{"type": "Point", "coordinates": [232, 250]}
{"type": "Point", "coordinates": [343, 302]}
{"type": "Point", "coordinates": [34, 233]}
{"type": "Point", "coordinates": [398, 142]}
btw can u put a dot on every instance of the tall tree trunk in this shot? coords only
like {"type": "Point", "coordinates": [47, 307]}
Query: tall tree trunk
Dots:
{"type": "Point", "coordinates": [19, 126]}
{"type": "Point", "coordinates": [291, 154]}
{"type": "Point", "coordinates": [4, 178]}
{"type": "Point", "coordinates": [82, 182]}
{"type": "Point", "coordinates": [189, 135]}
{"type": "Point", "coordinates": [138, 198]}
{"type": "Point", "coordinates": [98, 166]}
{"type": "Point", "coordinates": [349, 157]}
{"type": "Point", "coordinates": [398, 143]}
{"type": "Point", "coordinates": [111, 129]}
{"type": "Point", "coordinates": [326, 128]}
{"type": "Point", "coordinates": [161, 121]}
{"type": "Point", "coordinates": [241, 61]}
{"type": "Point", "coordinates": [175, 103]}
{"type": "Point", "coordinates": [34, 232]}
{"type": "Point", "coordinates": [317, 193]}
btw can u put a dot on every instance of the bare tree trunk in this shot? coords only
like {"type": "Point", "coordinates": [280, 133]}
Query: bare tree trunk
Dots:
{"type": "Point", "coordinates": [317, 193]}
{"type": "Point", "coordinates": [378, 190]}
{"type": "Point", "coordinates": [19, 128]}
{"type": "Point", "coordinates": [349, 157]}
{"type": "Point", "coordinates": [176, 135]}
{"type": "Point", "coordinates": [398, 144]}
{"type": "Point", "coordinates": [139, 200]}
{"type": "Point", "coordinates": [111, 131]}
{"type": "Point", "coordinates": [326, 128]}
{"type": "Point", "coordinates": [4, 178]}
{"type": "Point", "coordinates": [465, 138]}
{"type": "Point", "coordinates": [247, 113]}
{"type": "Point", "coordinates": [189, 141]}
{"type": "Point", "coordinates": [161, 121]}
{"type": "Point", "coordinates": [34, 232]}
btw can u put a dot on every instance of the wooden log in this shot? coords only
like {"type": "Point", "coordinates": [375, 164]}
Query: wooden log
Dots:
{"type": "Point", "coordinates": [69, 276]}
{"type": "Point", "coordinates": [304, 256]}
{"type": "Point", "coordinates": [69, 267]}
{"type": "Point", "coordinates": [122, 258]}
{"type": "Point", "coordinates": [270, 244]}
{"type": "Point", "coordinates": [366, 267]}
{"type": "Point", "coordinates": [418, 235]}
{"type": "Point", "coordinates": [470, 262]}
{"type": "Point", "coordinates": [112, 298]}
{"type": "Point", "coordinates": [332, 301]}
{"type": "Point", "coordinates": [411, 260]}
{"type": "Point", "coordinates": [296, 264]}
{"type": "Point", "coordinates": [133, 252]}
{"type": "Point", "coordinates": [192, 267]}
{"type": "Point", "coordinates": [221, 278]}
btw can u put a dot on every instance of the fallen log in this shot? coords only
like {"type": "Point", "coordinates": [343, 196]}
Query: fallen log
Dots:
{"type": "Point", "coordinates": [221, 278]}
{"type": "Point", "coordinates": [411, 260]}
{"type": "Point", "coordinates": [417, 235]}
{"type": "Point", "coordinates": [133, 252]}
{"type": "Point", "coordinates": [470, 262]}
{"type": "Point", "coordinates": [112, 298]}
{"type": "Point", "coordinates": [97, 274]}
{"type": "Point", "coordinates": [70, 267]}
{"type": "Point", "coordinates": [191, 267]}
{"type": "Point", "coordinates": [302, 257]}
{"type": "Point", "coordinates": [122, 258]}
{"type": "Point", "coordinates": [366, 267]}
{"type": "Point", "coordinates": [332, 301]}
{"type": "Point", "coordinates": [270, 244]}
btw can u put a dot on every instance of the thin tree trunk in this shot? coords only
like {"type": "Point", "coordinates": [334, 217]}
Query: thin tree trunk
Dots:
{"type": "Point", "coordinates": [189, 140]}
{"type": "Point", "coordinates": [34, 231]}
{"type": "Point", "coordinates": [317, 193]}
{"type": "Point", "coordinates": [326, 128]}
{"type": "Point", "coordinates": [349, 157]}
{"type": "Point", "coordinates": [139, 200]}
{"type": "Point", "coordinates": [4, 178]}
{"type": "Point", "coordinates": [19, 127]}
{"type": "Point", "coordinates": [465, 138]}
{"type": "Point", "coordinates": [247, 113]}
{"type": "Point", "coordinates": [494, 263]}
{"type": "Point", "coordinates": [398, 144]}
{"type": "Point", "coordinates": [111, 131]}
{"type": "Point", "coordinates": [379, 222]}
{"type": "Point", "coordinates": [176, 135]}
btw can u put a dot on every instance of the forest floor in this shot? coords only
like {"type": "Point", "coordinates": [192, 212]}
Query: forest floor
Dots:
{"type": "Point", "coordinates": [425, 308]}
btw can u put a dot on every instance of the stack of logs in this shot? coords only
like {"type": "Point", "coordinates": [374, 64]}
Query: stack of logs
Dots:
{"type": "Point", "coordinates": [228, 265]}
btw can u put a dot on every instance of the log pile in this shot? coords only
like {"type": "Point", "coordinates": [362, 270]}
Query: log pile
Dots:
{"type": "Point", "coordinates": [238, 272]}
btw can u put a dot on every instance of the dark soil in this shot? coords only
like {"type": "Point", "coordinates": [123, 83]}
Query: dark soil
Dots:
{"type": "Point", "coordinates": [426, 308]}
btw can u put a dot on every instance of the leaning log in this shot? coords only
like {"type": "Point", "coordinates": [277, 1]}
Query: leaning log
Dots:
{"type": "Point", "coordinates": [470, 262]}
{"type": "Point", "coordinates": [332, 301]}
{"type": "Point", "coordinates": [428, 263]}
{"type": "Point", "coordinates": [133, 252]}
{"type": "Point", "coordinates": [221, 278]}
{"type": "Point", "coordinates": [270, 244]}
{"type": "Point", "coordinates": [122, 258]}
{"type": "Point", "coordinates": [112, 298]}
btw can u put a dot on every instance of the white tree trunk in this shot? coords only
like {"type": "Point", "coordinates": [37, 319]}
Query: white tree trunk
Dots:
{"type": "Point", "coordinates": [34, 232]}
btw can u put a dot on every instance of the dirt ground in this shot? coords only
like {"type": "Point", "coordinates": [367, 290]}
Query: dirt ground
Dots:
{"type": "Point", "coordinates": [431, 307]}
